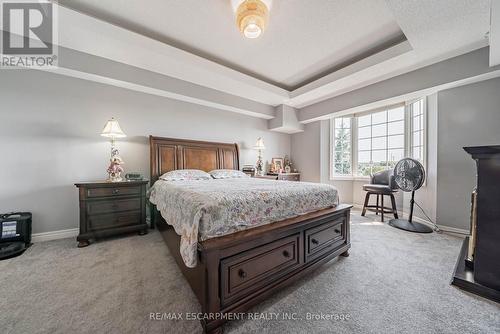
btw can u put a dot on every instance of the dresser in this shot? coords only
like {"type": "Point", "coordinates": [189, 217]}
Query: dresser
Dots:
{"type": "Point", "coordinates": [281, 176]}
{"type": "Point", "coordinates": [110, 208]}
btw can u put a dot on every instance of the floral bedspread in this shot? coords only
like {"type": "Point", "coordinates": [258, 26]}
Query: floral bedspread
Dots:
{"type": "Point", "coordinates": [203, 209]}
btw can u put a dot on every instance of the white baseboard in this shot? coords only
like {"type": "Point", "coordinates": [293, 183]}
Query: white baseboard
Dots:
{"type": "Point", "coordinates": [61, 234]}
{"type": "Point", "coordinates": [54, 235]}
{"type": "Point", "coordinates": [443, 228]}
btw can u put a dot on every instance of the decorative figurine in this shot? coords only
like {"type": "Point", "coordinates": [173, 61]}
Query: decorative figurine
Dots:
{"type": "Point", "coordinates": [115, 169]}
{"type": "Point", "coordinates": [259, 165]}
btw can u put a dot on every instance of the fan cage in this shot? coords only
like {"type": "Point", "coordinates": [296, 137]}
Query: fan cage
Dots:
{"type": "Point", "coordinates": [409, 174]}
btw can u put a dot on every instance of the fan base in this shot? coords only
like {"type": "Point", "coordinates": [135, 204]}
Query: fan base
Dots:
{"type": "Point", "coordinates": [410, 226]}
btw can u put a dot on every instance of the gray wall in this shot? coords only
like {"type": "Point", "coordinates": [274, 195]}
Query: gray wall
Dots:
{"type": "Point", "coordinates": [468, 116]}
{"type": "Point", "coordinates": [49, 138]}
{"type": "Point", "coordinates": [306, 152]}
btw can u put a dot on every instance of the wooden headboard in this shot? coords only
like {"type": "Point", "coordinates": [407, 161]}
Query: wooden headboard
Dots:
{"type": "Point", "coordinates": [169, 154]}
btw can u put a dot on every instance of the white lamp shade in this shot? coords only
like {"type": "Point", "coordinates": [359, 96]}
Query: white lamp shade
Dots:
{"type": "Point", "coordinates": [259, 145]}
{"type": "Point", "coordinates": [112, 130]}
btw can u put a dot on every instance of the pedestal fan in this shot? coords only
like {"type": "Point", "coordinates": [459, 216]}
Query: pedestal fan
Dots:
{"type": "Point", "coordinates": [409, 175]}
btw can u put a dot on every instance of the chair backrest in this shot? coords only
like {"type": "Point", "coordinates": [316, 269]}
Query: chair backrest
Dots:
{"type": "Point", "coordinates": [385, 177]}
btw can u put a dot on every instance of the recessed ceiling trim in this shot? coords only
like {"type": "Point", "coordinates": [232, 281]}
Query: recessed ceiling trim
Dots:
{"type": "Point", "coordinates": [90, 35]}
{"type": "Point", "coordinates": [125, 45]}
{"type": "Point", "coordinates": [389, 49]}
{"type": "Point", "coordinates": [280, 87]}
{"type": "Point", "coordinates": [404, 97]}
{"type": "Point", "coordinates": [153, 91]}
{"type": "Point", "coordinates": [463, 69]}
{"type": "Point", "coordinates": [316, 88]}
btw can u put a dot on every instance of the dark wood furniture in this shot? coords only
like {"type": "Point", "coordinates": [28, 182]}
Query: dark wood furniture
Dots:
{"type": "Point", "coordinates": [237, 271]}
{"type": "Point", "coordinates": [484, 276]}
{"type": "Point", "coordinates": [109, 208]}
{"type": "Point", "coordinates": [382, 184]}
{"type": "Point", "coordinates": [281, 176]}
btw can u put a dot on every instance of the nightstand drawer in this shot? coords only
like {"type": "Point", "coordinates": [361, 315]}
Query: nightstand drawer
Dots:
{"type": "Point", "coordinates": [108, 208]}
{"type": "Point", "coordinates": [114, 220]}
{"type": "Point", "coordinates": [113, 205]}
{"type": "Point", "coordinates": [113, 191]}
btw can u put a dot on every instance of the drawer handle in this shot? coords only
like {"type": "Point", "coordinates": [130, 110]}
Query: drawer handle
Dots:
{"type": "Point", "coordinates": [286, 253]}
{"type": "Point", "coordinates": [314, 241]}
{"type": "Point", "coordinates": [116, 191]}
{"type": "Point", "coordinates": [242, 273]}
{"type": "Point", "coordinates": [337, 230]}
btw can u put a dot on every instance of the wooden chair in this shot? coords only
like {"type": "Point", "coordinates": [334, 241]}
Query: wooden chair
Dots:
{"type": "Point", "coordinates": [382, 184]}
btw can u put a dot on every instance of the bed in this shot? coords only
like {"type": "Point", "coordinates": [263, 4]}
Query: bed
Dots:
{"type": "Point", "coordinates": [232, 270]}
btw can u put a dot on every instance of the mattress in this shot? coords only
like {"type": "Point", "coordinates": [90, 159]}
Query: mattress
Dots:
{"type": "Point", "coordinates": [203, 209]}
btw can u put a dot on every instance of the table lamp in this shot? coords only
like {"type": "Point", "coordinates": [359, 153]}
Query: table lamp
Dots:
{"type": "Point", "coordinates": [112, 130]}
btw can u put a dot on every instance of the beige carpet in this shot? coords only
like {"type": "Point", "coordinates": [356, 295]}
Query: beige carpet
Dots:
{"type": "Point", "coordinates": [393, 282]}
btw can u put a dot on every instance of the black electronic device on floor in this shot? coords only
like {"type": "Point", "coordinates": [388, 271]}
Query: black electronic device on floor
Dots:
{"type": "Point", "coordinates": [15, 233]}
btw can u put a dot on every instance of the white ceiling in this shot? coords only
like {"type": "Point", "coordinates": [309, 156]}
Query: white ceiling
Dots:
{"type": "Point", "coordinates": [295, 62]}
{"type": "Point", "coordinates": [304, 38]}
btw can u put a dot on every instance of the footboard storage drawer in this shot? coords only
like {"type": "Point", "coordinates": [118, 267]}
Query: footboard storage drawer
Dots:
{"type": "Point", "coordinates": [251, 270]}
{"type": "Point", "coordinates": [325, 238]}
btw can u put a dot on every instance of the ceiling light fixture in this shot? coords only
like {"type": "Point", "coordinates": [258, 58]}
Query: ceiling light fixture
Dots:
{"type": "Point", "coordinates": [251, 16]}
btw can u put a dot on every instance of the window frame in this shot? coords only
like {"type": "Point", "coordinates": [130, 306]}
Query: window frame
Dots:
{"type": "Point", "coordinates": [409, 128]}
{"type": "Point", "coordinates": [332, 149]}
{"type": "Point", "coordinates": [408, 137]}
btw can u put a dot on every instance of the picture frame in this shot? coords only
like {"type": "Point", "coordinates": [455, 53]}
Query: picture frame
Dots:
{"type": "Point", "coordinates": [277, 164]}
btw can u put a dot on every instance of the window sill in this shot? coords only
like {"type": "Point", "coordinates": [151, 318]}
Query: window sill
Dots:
{"type": "Point", "coordinates": [350, 178]}
{"type": "Point", "coordinates": [341, 178]}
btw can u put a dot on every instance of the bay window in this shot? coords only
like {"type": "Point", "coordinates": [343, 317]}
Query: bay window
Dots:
{"type": "Point", "coordinates": [366, 143]}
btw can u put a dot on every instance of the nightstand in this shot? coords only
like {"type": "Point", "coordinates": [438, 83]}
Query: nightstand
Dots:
{"type": "Point", "coordinates": [281, 176]}
{"type": "Point", "coordinates": [109, 208]}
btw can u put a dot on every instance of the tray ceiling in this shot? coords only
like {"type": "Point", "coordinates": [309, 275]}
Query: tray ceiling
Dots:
{"type": "Point", "coordinates": [304, 40]}
{"type": "Point", "coordinates": [312, 51]}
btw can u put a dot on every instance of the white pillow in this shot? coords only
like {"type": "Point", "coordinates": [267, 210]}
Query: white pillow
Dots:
{"type": "Point", "coordinates": [227, 174]}
{"type": "Point", "coordinates": [185, 174]}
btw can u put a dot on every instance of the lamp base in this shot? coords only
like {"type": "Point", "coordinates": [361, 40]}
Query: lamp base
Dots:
{"type": "Point", "coordinates": [410, 226]}
{"type": "Point", "coordinates": [115, 177]}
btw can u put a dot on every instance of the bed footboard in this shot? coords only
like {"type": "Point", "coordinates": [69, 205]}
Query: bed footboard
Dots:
{"type": "Point", "coordinates": [239, 270]}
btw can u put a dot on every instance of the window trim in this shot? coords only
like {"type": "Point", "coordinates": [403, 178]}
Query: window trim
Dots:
{"type": "Point", "coordinates": [410, 130]}
{"type": "Point", "coordinates": [424, 135]}
{"type": "Point", "coordinates": [354, 138]}
{"type": "Point", "coordinates": [332, 150]}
